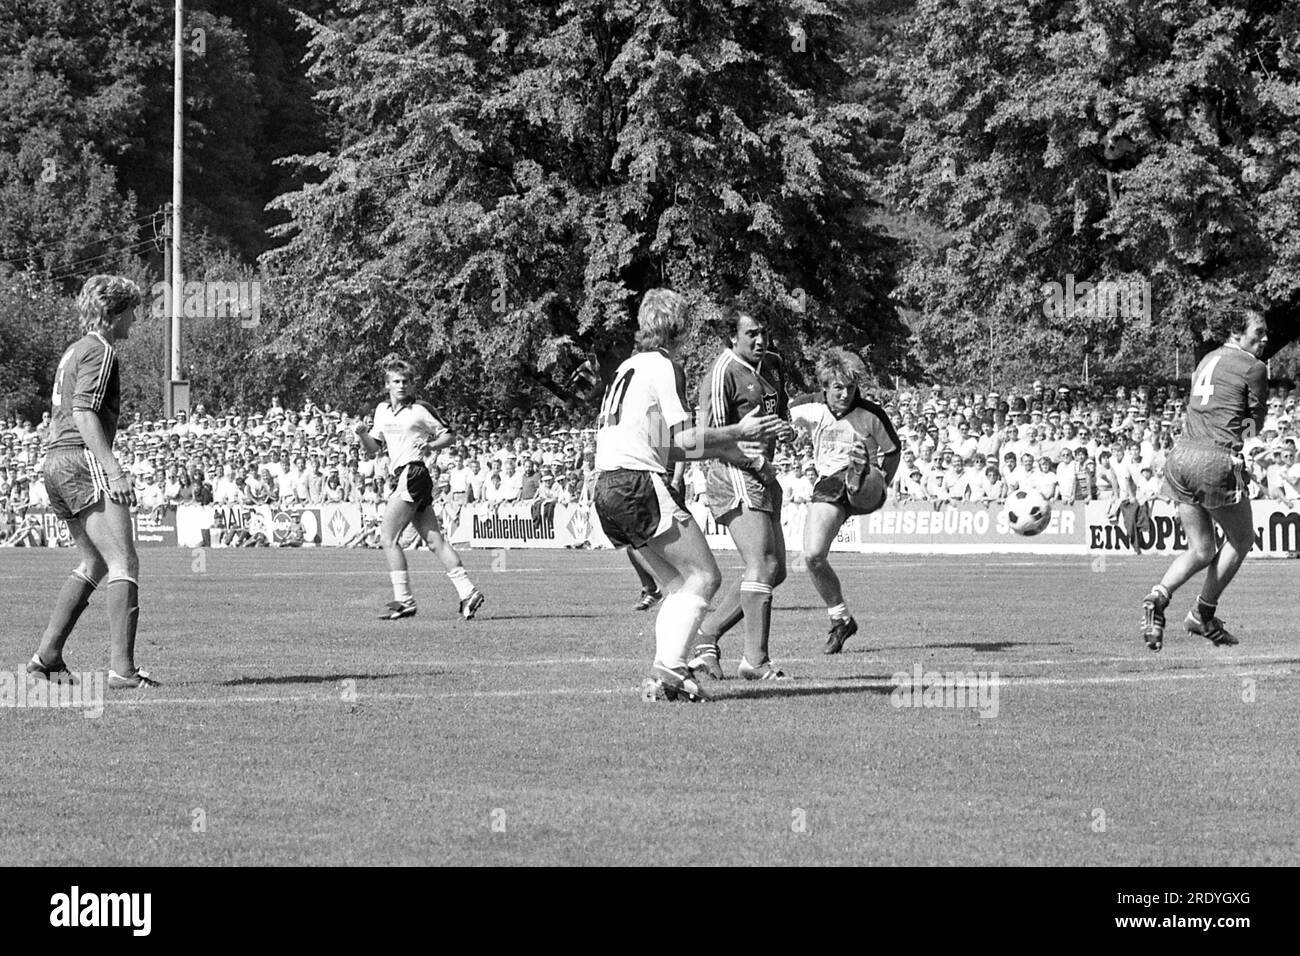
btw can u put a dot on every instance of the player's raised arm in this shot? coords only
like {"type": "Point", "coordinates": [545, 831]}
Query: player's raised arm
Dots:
{"type": "Point", "coordinates": [368, 436]}
{"type": "Point", "coordinates": [724, 441]}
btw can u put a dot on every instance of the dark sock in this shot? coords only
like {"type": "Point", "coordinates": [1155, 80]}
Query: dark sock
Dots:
{"type": "Point", "coordinates": [647, 579]}
{"type": "Point", "coordinates": [1206, 611]}
{"type": "Point", "coordinates": [725, 617]}
{"type": "Point", "coordinates": [123, 616]}
{"type": "Point", "coordinates": [72, 600]}
{"type": "Point", "coordinates": [756, 600]}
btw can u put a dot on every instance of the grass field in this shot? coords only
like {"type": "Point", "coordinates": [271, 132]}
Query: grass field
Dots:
{"type": "Point", "coordinates": [520, 738]}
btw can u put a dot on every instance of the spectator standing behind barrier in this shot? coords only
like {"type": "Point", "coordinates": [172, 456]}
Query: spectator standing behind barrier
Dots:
{"type": "Point", "coordinates": [1044, 481]}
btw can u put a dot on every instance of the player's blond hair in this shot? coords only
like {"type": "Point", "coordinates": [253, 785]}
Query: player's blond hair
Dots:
{"type": "Point", "coordinates": [661, 319]}
{"type": "Point", "coordinates": [103, 298]}
{"type": "Point", "coordinates": [395, 363]}
{"type": "Point", "coordinates": [841, 365]}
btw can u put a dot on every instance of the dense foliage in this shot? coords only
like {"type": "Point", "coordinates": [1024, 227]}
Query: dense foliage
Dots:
{"type": "Point", "coordinates": [489, 187]}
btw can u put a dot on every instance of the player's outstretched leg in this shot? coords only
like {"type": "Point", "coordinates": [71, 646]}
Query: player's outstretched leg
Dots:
{"type": "Point", "coordinates": [821, 525]}
{"type": "Point", "coordinates": [650, 593]}
{"type": "Point", "coordinates": [47, 663]}
{"type": "Point", "coordinates": [680, 555]}
{"type": "Point", "coordinates": [1200, 552]}
{"type": "Point", "coordinates": [471, 598]}
{"type": "Point", "coordinates": [1239, 538]}
{"type": "Point", "coordinates": [397, 515]}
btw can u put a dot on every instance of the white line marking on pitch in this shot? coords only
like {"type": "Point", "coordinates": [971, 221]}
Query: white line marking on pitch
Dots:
{"type": "Point", "coordinates": [847, 686]}
{"type": "Point", "coordinates": [982, 664]}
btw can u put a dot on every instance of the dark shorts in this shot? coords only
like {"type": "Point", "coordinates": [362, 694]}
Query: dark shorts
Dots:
{"type": "Point", "coordinates": [414, 484]}
{"type": "Point", "coordinates": [635, 507]}
{"type": "Point", "coordinates": [728, 488]}
{"type": "Point", "coordinates": [833, 490]}
{"type": "Point", "coordinates": [1205, 475]}
{"type": "Point", "coordinates": [74, 480]}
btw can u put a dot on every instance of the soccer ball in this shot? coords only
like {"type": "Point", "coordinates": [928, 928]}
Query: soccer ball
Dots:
{"type": "Point", "coordinates": [1028, 512]}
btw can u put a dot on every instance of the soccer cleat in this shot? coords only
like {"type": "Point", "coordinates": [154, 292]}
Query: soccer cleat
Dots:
{"type": "Point", "coordinates": [396, 610]}
{"type": "Point", "coordinates": [1212, 630]}
{"type": "Point", "coordinates": [672, 684]}
{"type": "Point", "coordinates": [841, 631]}
{"type": "Point", "coordinates": [55, 673]}
{"type": "Point", "coordinates": [139, 679]}
{"type": "Point", "coordinates": [470, 605]}
{"type": "Point", "coordinates": [649, 599]}
{"type": "Point", "coordinates": [765, 671]}
{"type": "Point", "coordinates": [708, 660]}
{"type": "Point", "coordinates": [1153, 620]}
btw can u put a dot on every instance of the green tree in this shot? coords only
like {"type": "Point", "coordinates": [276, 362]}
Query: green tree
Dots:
{"type": "Point", "coordinates": [1140, 141]}
{"type": "Point", "coordinates": [511, 178]}
{"type": "Point", "coordinates": [35, 323]}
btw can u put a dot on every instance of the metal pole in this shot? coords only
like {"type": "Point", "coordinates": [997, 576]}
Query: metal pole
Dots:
{"type": "Point", "coordinates": [168, 410]}
{"type": "Point", "coordinates": [177, 270]}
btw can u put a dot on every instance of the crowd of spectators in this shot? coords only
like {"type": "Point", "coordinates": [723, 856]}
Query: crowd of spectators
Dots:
{"type": "Point", "coordinates": [958, 445]}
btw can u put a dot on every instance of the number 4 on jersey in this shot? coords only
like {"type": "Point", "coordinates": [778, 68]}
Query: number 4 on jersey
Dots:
{"type": "Point", "coordinates": [57, 398]}
{"type": "Point", "coordinates": [1203, 386]}
{"type": "Point", "coordinates": [612, 406]}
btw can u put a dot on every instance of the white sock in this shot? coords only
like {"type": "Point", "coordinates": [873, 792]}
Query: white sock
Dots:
{"type": "Point", "coordinates": [401, 585]}
{"type": "Point", "coordinates": [680, 616]}
{"type": "Point", "coordinates": [838, 612]}
{"type": "Point", "coordinates": [461, 580]}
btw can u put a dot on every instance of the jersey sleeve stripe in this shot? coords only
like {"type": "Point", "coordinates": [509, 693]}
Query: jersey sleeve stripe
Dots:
{"type": "Point", "coordinates": [718, 389]}
{"type": "Point", "coordinates": [883, 418]}
{"type": "Point", "coordinates": [105, 372]}
{"type": "Point", "coordinates": [442, 428]}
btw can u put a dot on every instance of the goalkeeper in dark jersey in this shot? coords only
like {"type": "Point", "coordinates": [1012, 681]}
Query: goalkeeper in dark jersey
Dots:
{"type": "Point", "coordinates": [1206, 475]}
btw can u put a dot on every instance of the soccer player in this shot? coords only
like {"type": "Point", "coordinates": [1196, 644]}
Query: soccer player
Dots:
{"type": "Point", "coordinates": [405, 426]}
{"type": "Point", "coordinates": [856, 452]}
{"type": "Point", "coordinates": [745, 499]}
{"type": "Point", "coordinates": [89, 488]}
{"type": "Point", "coordinates": [1206, 475]}
{"type": "Point", "coordinates": [643, 427]}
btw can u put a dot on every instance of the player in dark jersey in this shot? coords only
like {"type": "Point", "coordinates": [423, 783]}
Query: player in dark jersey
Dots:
{"type": "Point", "coordinates": [1206, 475]}
{"type": "Point", "coordinates": [856, 453]}
{"type": "Point", "coordinates": [644, 428]}
{"type": "Point", "coordinates": [746, 499]}
{"type": "Point", "coordinates": [89, 488]}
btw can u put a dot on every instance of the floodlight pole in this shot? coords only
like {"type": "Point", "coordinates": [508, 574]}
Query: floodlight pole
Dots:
{"type": "Point", "coordinates": [176, 278]}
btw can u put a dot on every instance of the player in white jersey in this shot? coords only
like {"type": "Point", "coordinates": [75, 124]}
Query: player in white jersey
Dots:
{"type": "Point", "coordinates": [856, 453]}
{"type": "Point", "coordinates": [643, 428]}
{"type": "Point", "coordinates": [408, 428]}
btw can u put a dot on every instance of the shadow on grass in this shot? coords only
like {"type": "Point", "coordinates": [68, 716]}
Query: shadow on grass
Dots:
{"type": "Point", "coordinates": [774, 689]}
{"type": "Point", "coordinates": [322, 678]}
{"type": "Point", "coordinates": [566, 615]}
{"type": "Point", "coordinates": [993, 647]}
